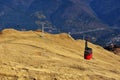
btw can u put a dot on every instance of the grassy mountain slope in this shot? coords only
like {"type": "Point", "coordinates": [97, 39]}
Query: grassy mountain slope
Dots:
{"type": "Point", "coordinates": [31, 55]}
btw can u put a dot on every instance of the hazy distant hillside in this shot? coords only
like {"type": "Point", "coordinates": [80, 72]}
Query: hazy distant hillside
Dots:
{"type": "Point", "coordinates": [12, 13]}
{"type": "Point", "coordinates": [66, 15]}
{"type": "Point", "coordinates": [108, 11]}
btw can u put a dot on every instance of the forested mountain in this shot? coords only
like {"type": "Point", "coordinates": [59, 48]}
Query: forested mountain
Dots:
{"type": "Point", "coordinates": [94, 18]}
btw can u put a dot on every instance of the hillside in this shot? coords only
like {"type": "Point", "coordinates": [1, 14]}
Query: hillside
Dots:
{"type": "Point", "coordinates": [108, 11]}
{"type": "Point", "coordinates": [28, 55]}
{"type": "Point", "coordinates": [59, 12]}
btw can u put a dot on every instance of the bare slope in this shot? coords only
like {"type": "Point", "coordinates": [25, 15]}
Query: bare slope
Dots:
{"type": "Point", "coordinates": [28, 56]}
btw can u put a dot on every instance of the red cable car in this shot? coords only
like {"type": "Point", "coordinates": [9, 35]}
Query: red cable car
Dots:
{"type": "Point", "coordinates": [87, 52]}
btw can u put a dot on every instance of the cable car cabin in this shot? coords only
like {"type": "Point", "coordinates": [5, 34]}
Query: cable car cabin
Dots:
{"type": "Point", "coordinates": [87, 52]}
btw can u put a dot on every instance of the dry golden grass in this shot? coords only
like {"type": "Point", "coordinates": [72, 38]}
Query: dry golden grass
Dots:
{"type": "Point", "coordinates": [28, 55]}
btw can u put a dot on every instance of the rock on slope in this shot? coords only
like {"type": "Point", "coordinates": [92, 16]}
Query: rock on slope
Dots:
{"type": "Point", "coordinates": [117, 51]}
{"type": "Point", "coordinates": [27, 55]}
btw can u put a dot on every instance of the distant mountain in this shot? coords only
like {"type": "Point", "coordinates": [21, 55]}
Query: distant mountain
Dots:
{"type": "Point", "coordinates": [78, 17]}
{"type": "Point", "coordinates": [108, 11]}
{"type": "Point", "coordinates": [59, 12]}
